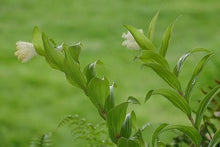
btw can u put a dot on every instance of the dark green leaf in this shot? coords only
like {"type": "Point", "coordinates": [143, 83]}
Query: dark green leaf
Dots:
{"type": "Point", "coordinates": [183, 58]}
{"type": "Point", "coordinates": [54, 58]}
{"type": "Point", "coordinates": [124, 142]}
{"type": "Point", "coordinates": [133, 100]}
{"type": "Point", "coordinates": [75, 51]}
{"type": "Point", "coordinates": [177, 100]}
{"type": "Point", "coordinates": [166, 75]}
{"type": "Point", "coordinates": [115, 119]}
{"type": "Point", "coordinates": [72, 71]}
{"type": "Point", "coordinates": [204, 103]}
{"type": "Point", "coordinates": [148, 95]}
{"type": "Point", "coordinates": [149, 56]}
{"type": "Point", "coordinates": [110, 102]}
{"type": "Point", "coordinates": [195, 75]}
{"type": "Point", "coordinates": [137, 137]}
{"type": "Point", "coordinates": [37, 41]}
{"type": "Point", "coordinates": [166, 40]}
{"type": "Point", "coordinates": [157, 133]}
{"type": "Point", "coordinates": [126, 128]}
{"type": "Point", "coordinates": [152, 26]}
{"type": "Point", "coordinates": [133, 119]}
{"type": "Point", "coordinates": [98, 91]}
{"type": "Point", "coordinates": [140, 38]}
{"type": "Point", "coordinates": [216, 139]}
{"type": "Point", "coordinates": [90, 70]}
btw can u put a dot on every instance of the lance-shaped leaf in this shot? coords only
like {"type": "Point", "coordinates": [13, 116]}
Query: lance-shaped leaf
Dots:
{"type": "Point", "coordinates": [204, 104]}
{"type": "Point", "coordinates": [124, 142]}
{"type": "Point", "coordinates": [72, 71]}
{"type": "Point", "coordinates": [177, 100]}
{"type": "Point", "coordinates": [37, 41]}
{"type": "Point", "coordinates": [152, 26]}
{"type": "Point", "coordinates": [98, 91]}
{"type": "Point", "coordinates": [140, 38]}
{"type": "Point", "coordinates": [115, 119]}
{"type": "Point", "coordinates": [148, 56]}
{"type": "Point", "coordinates": [166, 40]}
{"type": "Point", "coordinates": [54, 57]}
{"type": "Point", "coordinates": [215, 140]}
{"type": "Point", "coordinates": [75, 51]}
{"type": "Point", "coordinates": [133, 100]}
{"type": "Point", "coordinates": [177, 69]}
{"type": "Point", "coordinates": [157, 133]}
{"type": "Point", "coordinates": [138, 137]}
{"type": "Point", "coordinates": [166, 75]}
{"type": "Point", "coordinates": [126, 128]}
{"type": "Point", "coordinates": [110, 102]}
{"type": "Point", "coordinates": [90, 70]}
{"type": "Point", "coordinates": [191, 132]}
{"type": "Point", "coordinates": [195, 76]}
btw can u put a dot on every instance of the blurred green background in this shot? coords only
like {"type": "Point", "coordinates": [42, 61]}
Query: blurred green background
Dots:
{"type": "Point", "coordinates": [34, 97]}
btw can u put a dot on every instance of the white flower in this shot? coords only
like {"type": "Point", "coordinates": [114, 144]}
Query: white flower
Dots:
{"type": "Point", "coordinates": [129, 41]}
{"type": "Point", "coordinates": [25, 51]}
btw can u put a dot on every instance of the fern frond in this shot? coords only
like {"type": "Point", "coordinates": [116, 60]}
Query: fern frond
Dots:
{"type": "Point", "coordinates": [42, 141]}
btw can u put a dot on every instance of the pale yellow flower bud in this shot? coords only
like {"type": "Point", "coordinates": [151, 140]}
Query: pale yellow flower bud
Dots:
{"type": "Point", "coordinates": [25, 51]}
{"type": "Point", "coordinates": [129, 41]}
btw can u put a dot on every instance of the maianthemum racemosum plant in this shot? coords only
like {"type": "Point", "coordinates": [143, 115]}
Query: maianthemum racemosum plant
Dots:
{"type": "Point", "coordinates": [121, 125]}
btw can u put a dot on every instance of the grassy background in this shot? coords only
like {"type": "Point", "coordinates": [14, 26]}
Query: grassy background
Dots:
{"type": "Point", "coordinates": [34, 97]}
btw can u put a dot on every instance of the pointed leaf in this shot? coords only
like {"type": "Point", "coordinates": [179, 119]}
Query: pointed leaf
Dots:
{"type": "Point", "coordinates": [90, 70]}
{"type": "Point", "coordinates": [124, 142]}
{"type": "Point", "coordinates": [140, 38]}
{"type": "Point", "coordinates": [37, 41]}
{"type": "Point", "coordinates": [157, 133]}
{"type": "Point", "coordinates": [152, 26]}
{"type": "Point", "coordinates": [148, 95]}
{"type": "Point", "coordinates": [166, 75]}
{"type": "Point", "coordinates": [133, 100]}
{"type": "Point", "coordinates": [195, 76]}
{"type": "Point", "coordinates": [177, 100]}
{"type": "Point", "coordinates": [204, 104]}
{"type": "Point", "coordinates": [148, 56]}
{"type": "Point", "coordinates": [126, 128]}
{"type": "Point", "coordinates": [183, 58]}
{"type": "Point", "coordinates": [98, 91]}
{"type": "Point", "coordinates": [54, 58]}
{"type": "Point", "coordinates": [138, 138]}
{"type": "Point", "coordinates": [72, 71]}
{"type": "Point", "coordinates": [110, 102]}
{"type": "Point", "coordinates": [75, 51]}
{"type": "Point", "coordinates": [166, 40]}
{"type": "Point", "coordinates": [215, 140]}
{"type": "Point", "coordinates": [115, 119]}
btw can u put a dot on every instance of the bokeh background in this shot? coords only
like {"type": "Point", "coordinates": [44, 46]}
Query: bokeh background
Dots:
{"type": "Point", "coordinates": [34, 97]}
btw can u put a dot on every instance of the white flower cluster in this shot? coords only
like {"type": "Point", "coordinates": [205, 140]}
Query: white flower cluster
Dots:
{"type": "Point", "coordinates": [129, 41]}
{"type": "Point", "coordinates": [25, 51]}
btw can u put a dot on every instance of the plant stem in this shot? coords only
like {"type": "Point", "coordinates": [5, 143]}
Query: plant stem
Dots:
{"type": "Point", "coordinates": [192, 120]}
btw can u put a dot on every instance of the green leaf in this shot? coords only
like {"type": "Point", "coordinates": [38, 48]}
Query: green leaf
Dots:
{"type": "Point", "coordinates": [157, 133]}
{"type": "Point", "coordinates": [140, 38]}
{"type": "Point", "coordinates": [54, 58]}
{"type": "Point", "coordinates": [183, 58]}
{"type": "Point", "coordinates": [73, 72]}
{"type": "Point", "coordinates": [166, 75]}
{"type": "Point", "coordinates": [191, 132]}
{"type": "Point", "coordinates": [138, 138]}
{"type": "Point", "coordinates": [90, 70]}
{"type": "Point", "coordinates": [115, 119]}
{"type": "Point", "coordinates": [126, 128]}
{"type": "Point", "coordinates": [204, 103]}
{"type": "Point", "coordinates": [148, 95]}
{"type": "Point", "coordinates": [124, 142]}
{"type": "Point", "coordinates": [152, 26]}
{"type": "Point", "coordinates": [110, 102]}
{"type": "Point", "coordinates": [195, 75]}
{"type": "Point", "coordinates": [215, 140]}
{"type": "Point", "coordinates": [166, 40]}
{"type": "Point", "coordinates": [133, 100]}
{"type": "Point", "coordinates": [75, 51]}
{"type": "Point", "coordinates": [133, 119]}
{"type": "Point", "coordinates": [148, 56]}
{"type": "Point", "coordinates": [177, 100]}
{"type": "Point", "coordinates": [98, 91]}
{"type": "Point", "coordinates": [37, 41]}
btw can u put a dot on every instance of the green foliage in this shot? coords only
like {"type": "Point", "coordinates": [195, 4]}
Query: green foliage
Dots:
{"type": "Point", "coordinates": [215, 140]}
{"type": "Point", "coordinates": [42, 141]}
